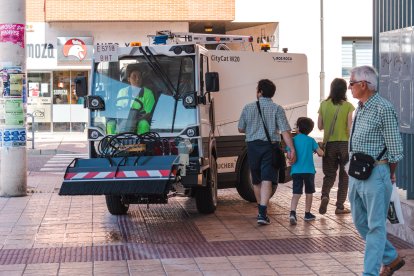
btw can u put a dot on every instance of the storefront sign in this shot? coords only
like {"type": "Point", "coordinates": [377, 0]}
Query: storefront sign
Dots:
{"type": "Point", "coordinates": [44, 50]}
{"type": "Point", "coordinates": [13, 33]}
{"type": "Point", "coordinates": [74, 49]}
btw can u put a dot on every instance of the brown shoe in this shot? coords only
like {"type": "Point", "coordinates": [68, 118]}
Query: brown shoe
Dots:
{"type": "Point", "coordinates": [388, 270]}
{"type": "Point", "coordinates": [342, 211]}
{"type": "Point", "coordinates": [324, 205]}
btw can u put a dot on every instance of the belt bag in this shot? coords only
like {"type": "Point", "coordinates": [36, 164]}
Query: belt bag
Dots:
{"type": "Point", "coordinates": [361, 165]}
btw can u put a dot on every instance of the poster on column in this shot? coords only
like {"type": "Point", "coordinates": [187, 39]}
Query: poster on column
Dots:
{"type": "Point", "coordinates": [16, 84]}
{"type": "Point", "coordinates": [14, 112]}
{"type": "Point", "coordinates": [12, 33]}
{"type": "Point", "coordinates": [13, 81]}
{"type": "Point", "coordinates": [13, 137]}
{"type": "Point", "coordinates": [2, 113]}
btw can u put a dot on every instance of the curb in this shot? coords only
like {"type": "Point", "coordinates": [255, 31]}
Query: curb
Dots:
{"type": "Point", "coordinates": [49, 152]}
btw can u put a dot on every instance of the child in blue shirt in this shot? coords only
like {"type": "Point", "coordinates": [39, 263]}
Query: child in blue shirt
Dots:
{"type": "Point", "coordinates": [303, 170]}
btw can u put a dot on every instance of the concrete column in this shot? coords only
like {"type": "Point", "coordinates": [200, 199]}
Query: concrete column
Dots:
{"type": "Point", "coordinates": [13, 160]}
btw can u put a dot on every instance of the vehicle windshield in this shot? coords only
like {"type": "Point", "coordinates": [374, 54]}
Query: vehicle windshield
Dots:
{"type": "Point", "coordinates": [142, 96]}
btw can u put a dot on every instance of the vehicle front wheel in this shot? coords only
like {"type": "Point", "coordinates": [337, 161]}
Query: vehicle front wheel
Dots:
{"type": "Point", "coordinates": [206, 197]}
{"type": "Point", "coordinates": [115, 205]}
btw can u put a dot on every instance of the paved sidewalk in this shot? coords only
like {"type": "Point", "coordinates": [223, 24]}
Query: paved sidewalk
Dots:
{"type": "Point", "coordinates": [47, 143]}
{"type": "Point", "coordinates": [46, 234]}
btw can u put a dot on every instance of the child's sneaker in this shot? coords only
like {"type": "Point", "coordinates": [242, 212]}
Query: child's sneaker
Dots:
{"type": "Point", "coordinates": [263, 220]}
{"type": "Point", "coordinates": [309, 216]}
{"type": "Point", "coordinates": [292, 218]}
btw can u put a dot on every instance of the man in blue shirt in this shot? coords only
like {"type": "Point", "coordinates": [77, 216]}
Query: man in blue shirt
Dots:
{"type": "Point", "coordinates": [374, 128]}
{"type": "Point", "coordinates": [259, 149]}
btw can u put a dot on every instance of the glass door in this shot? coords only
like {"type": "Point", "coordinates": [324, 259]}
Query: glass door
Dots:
{"type": "Point", "coordinates": [39, 101]}
{"type": "Point", "coordinates": [68, 111]}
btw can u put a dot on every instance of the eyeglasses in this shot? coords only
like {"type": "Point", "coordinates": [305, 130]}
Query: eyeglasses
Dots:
{"type": "Point", "coordinates": [351, 83]}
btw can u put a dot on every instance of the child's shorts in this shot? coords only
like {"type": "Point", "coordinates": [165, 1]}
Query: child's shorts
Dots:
{"type": "Point", "coordinates": [303, 178]}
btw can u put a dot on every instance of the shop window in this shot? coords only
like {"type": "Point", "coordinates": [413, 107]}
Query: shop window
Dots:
{"type": "Point", "coordinates": [64, 91]}
{"type": "Point", "coordinates": [355, 52]}
{"type": "Point", "coordinates": [61, 87]}
{"type": "Point", "coordinates": [39, 100]}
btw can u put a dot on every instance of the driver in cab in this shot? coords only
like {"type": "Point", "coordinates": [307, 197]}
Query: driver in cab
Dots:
{"type": "Point", "coordinates": [138, 99]}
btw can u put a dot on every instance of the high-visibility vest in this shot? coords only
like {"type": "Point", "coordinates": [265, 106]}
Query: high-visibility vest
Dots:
{"type": "Point", "coordinates": [146, 96]}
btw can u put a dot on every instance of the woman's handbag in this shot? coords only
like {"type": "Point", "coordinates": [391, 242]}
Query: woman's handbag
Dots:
{"type": "Point", "coordinates": [331, 130]}
{"type": "Point", "coordinates": [278, 156]}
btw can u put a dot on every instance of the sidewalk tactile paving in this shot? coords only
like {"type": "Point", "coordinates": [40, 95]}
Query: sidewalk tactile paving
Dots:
{"type": "Point", "coordinates": [201, 249]}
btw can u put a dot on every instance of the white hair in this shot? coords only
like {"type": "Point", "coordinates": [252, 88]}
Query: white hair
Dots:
{"type": "Point", "coordinates": [366, 73]}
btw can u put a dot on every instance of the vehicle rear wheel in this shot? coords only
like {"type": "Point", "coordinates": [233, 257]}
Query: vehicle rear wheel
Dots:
{"type": "Point", "coordinates": [245, 186]}
{"type": "Point", "coordinates": [206, 197]}
{"type": "Point", "coordinates": [115, 205]}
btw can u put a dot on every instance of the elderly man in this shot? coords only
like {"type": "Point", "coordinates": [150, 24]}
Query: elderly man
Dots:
{"type": "Point", "coordinates": [375, 132]}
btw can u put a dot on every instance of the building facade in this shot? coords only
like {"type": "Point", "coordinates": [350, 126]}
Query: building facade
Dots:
{"type": "Point", "coordinates": [53, 26]}
{"type": "Point", "coordinates": [394, 59]}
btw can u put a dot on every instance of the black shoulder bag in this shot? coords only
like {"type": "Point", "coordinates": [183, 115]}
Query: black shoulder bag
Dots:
{"type": "Point", "coordinates": [361, 164]}
{"type": "Point", "coordinates": [278, 157]}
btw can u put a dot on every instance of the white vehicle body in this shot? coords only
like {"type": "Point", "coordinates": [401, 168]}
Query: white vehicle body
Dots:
{"type": "Point", "coordinates": [239, 73]}
{"type": "Point", "coordinates": [198, 95]}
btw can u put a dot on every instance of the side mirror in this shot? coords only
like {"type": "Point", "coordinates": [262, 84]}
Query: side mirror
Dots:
{"type": "Point", "coordinates": [81, 86]}
{"type": "Point", "coordinates": [189, 100]}
{"type": "Point", "coordinates": [212, 82]}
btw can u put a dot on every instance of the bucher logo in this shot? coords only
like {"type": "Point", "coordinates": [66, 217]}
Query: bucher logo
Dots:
{"type": "Point", "coordinates": [282, 59]}
{"type": "Point", "coordinates": [75, 47]}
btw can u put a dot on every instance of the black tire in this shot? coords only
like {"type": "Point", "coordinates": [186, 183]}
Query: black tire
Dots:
{"type": "Point", "coordinates": [206, 197]}
{"type": "Point", "coordinates": [245, 186]}
{"type": "Point", "coordinates": [115, 205]}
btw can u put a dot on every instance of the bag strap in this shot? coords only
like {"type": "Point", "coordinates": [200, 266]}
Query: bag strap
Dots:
{"type": "Point", "coordinates": [352, 133]}
{"type": "Point", "coordinates": [331, 130]}
{"type": "Point", "coordinates": [265, 128]}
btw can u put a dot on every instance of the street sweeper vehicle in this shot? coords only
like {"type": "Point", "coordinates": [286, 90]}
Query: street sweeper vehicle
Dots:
{"type": "Point", "coordinates": [175, 131]}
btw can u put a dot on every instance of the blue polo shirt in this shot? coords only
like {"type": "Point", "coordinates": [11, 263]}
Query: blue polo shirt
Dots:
{"type": "Point", "coordinates": [305, 147]}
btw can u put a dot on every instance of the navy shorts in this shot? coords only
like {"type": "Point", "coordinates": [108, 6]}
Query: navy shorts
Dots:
{"type": "Point", "coordinates": [260, 161]}
{"type": "Point", "coordinates": [303, 178]}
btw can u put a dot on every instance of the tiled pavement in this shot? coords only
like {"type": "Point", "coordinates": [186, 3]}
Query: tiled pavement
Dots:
{"type": "Point", "coordinates": [45, 234]}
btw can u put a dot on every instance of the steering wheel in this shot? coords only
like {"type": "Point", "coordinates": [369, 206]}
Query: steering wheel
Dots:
{"type": "Point", "coordinates": [119, 108]}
